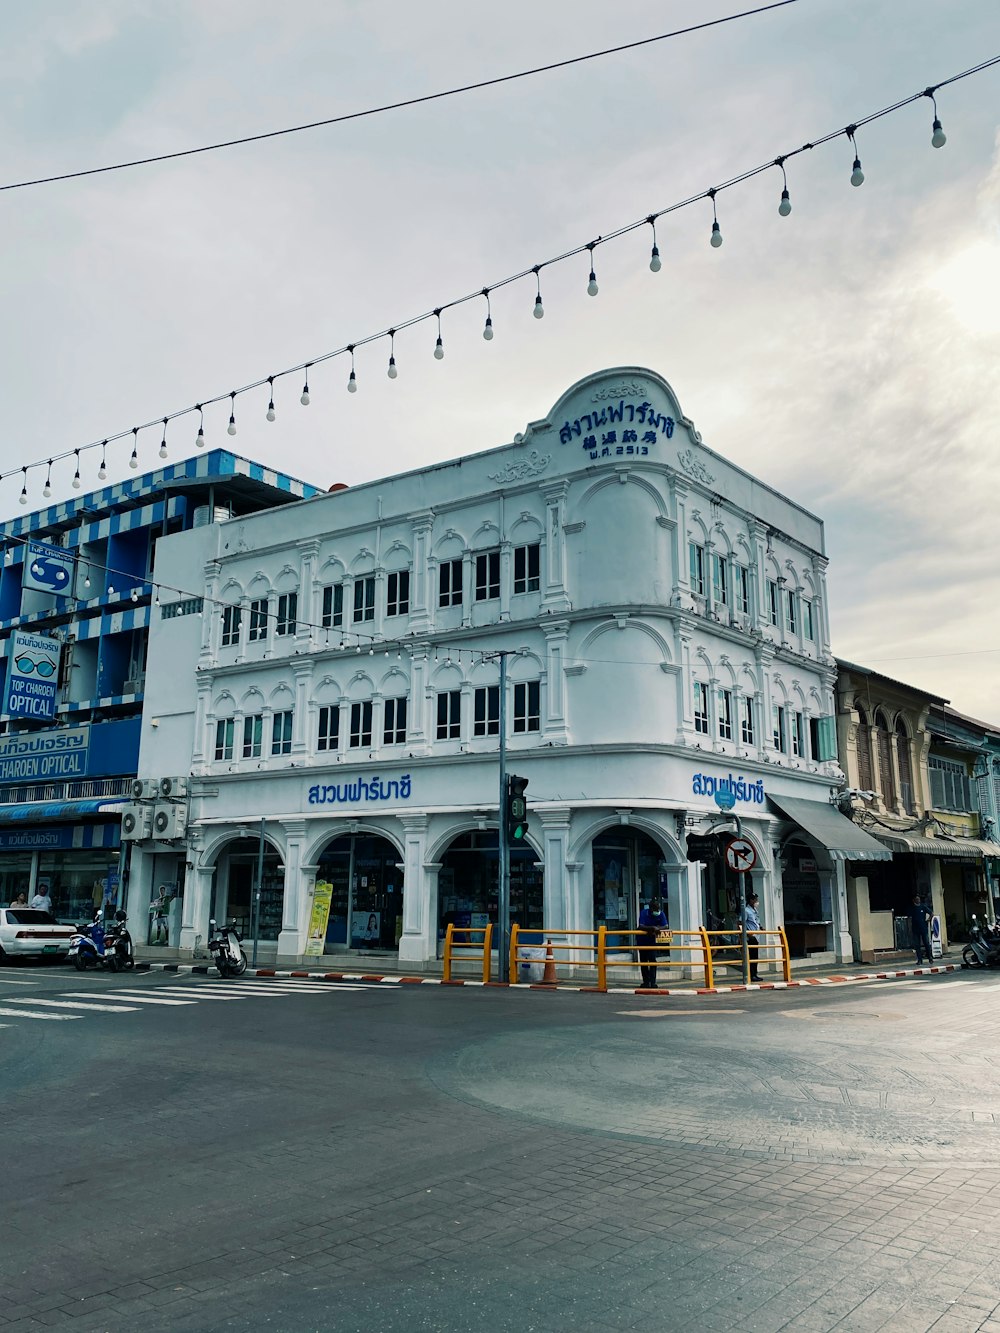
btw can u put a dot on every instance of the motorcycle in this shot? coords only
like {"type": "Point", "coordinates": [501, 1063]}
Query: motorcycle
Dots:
{"type": "Point", "coordinates": [224, 946]}
{"type": "Point", "coordinates": [983, 949]}
{"type": "Point", "coordinates": [87, 946]}
{"type": "Point", "coordinates": [119, 954]}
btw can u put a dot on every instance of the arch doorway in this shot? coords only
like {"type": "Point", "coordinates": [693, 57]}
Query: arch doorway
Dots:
{"type": "Point", "coordinates": [233, 896]}
{"type": "Point", "coordinates": [629, 871]}
{"type": "Point", "coordinates": [469, 878]}
{"type": "Point", "coordinates": [366, 903]}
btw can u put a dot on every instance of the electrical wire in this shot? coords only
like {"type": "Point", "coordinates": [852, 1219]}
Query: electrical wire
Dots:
{"type": "Point", "coordinates": [394, 106]}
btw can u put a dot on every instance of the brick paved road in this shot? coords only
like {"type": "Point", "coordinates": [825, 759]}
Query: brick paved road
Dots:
{"type": "Point", "coordinates": [441, 1160]}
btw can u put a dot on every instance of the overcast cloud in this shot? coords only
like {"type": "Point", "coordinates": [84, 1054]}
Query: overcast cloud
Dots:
{"type": "Point", "coordinates": [849, 354]}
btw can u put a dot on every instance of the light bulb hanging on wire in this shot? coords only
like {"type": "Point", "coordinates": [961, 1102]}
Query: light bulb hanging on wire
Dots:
{"type": "Point", "coordinates": [133, 462]}
{"type": "Point", "coordinates": [304, 397]}
{"type": "Point", "coordinates": [231, 428]}
{"type": "Point", "coordinates": [270, 413]}
{"type": "Point", "coordinates": [488, 326]}
{"type": "Point", "coordinates": [654, 258]}
{"type": "Point", "coordinates": [938, 136]}
{"type": "Point", "coordinates": [76, 474]}
{"type": "Point", "coordinates": [716, 238]}
{"type": "Point", "coordinates": [539, 310]}
{"type": "Point", "coordinates": [47, 488]}
{"type": "Point", "coordinates": [592, 287]}
{"type": "Point", "coordinates": [24, 486]}
{"type": "Point", "coordinates": [785, 206]}
{"type": "Point", "coordinates": [199, 439]}
{"type": "Point", "coordinates": [102, 471]}
{"type": "Point", "coordinates": [392, 372]}
{"type": "Point", "coordinates": [352, 379]}
{"type": "Point", "coordinates": [857, 175]}
{"type": "Point", "coordinates": [163, 442]}
{"type": "Point", "coordinates": [439, 345]}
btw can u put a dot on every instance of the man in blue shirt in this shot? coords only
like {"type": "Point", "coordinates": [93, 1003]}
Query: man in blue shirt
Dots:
{"type": "Point", "coordinates": [651, 921]}
{"type": "Point", "coordinates": [753, 925]}
{"type": "Point", "coordinates": [919, 917]}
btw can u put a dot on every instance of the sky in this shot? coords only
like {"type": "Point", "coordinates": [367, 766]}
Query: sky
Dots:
{"type": "Point", "coordinates": [848, 355]}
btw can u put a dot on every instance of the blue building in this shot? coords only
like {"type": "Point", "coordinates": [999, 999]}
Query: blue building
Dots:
{"type": "Point", "coordinates": [75, 606]}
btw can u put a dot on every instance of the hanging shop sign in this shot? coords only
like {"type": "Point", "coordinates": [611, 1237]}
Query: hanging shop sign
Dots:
{"type": "Point", "coordinates": [352, 793]}
{"type": "Point", "coordinates": [32, 675]}
{"type": "Point", "coordinates": [47, 569]}
{"type": "Point", "coordinates": [45, 756]}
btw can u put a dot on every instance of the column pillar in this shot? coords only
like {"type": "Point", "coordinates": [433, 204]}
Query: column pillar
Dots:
{"type": "Point", "coordinates": [309, 611]}
{"type": "Point", "coordinates": [557, 910]}
{"type": "Point", "coordinates": [302, 671]}
{"type": "Point", "coordinates": [195, 909]}
{"type": "Point", "coordinates": [418, 942]}
{"type": "Point", "coordinates": [554, 595]}
{"type": "Point", "coordinates": [291, 937]}
{"type": "Point", "coordinates": [422, 590]}
{"type": "Point", "coordinates": [554, 726]}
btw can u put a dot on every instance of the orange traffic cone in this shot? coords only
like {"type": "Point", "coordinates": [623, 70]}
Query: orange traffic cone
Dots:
{"type": "Point", "coordinates": [549, 977]}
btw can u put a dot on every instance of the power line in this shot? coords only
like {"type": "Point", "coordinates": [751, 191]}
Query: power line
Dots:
{"type": "Point", "coordinates": [394, 106]}
{"type": "Point", "coordinates": [533, 272]}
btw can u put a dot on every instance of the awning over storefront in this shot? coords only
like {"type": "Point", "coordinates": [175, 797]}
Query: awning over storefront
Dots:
{"type": "Point", "coordinates": [962, 849]}
{"type": "Point", "coordinates": [839, 835]}
{"type": "Point", "coordinates": [33, 811]}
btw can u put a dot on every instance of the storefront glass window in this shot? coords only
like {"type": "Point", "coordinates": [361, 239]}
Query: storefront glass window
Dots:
{"type": "Point", "coordinates": [242, 872]}
{"type": "Point", "coordinates": [468, 884]}
{"type": "Point", "coordinates": [366, 905]}
{"type": "Point", "coordinates": [15, 871]}
{"type": "Point", "coordinates": [627, 875]}
{"type": "Point", "coordinates": [77, 881]}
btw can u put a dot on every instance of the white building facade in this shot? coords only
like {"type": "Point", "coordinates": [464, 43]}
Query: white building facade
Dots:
{"type": "Point", "coordinates": [337, 702]}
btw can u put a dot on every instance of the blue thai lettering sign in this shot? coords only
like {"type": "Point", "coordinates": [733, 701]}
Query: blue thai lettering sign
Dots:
{"type": "Point", "coordinates": [36, 840]}
{"type": "Point", "coordinates": [45, 756]}
{"type": "Point", "coordinates": [47, 568]}
{"type": "Point", "coordinates": [350, 793]}
{"type": "Point", "coordinates": [32, 675]}
{"type": "Point", "coordinates": [741, 788]}
{"type": "Point", "coordinates": [618, 430]}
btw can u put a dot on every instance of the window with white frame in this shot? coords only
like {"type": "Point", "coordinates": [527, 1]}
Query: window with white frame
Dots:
{"type": "Point", "coordinates": [449, 715]}
{"type": "Point", "coordinates": [397, 593]}
{"type": "Point", "coordinates": [258, 619]}
{"type": "Point", "coordinates": [333, 606]}
{"type": "Point", "coordinates": [798, 735]}
{"type": "Point", "coordinates": [527, 706]}
{"type": "Point", "coordinates": [253, 735]}
{"type": "Point", "coordinates": [450, 583]}
{"type": "Point", "coordinates": [281, 732]}
{"type": "Point", "coordinates": [701, 707]}
{"type": "Point", "coordinates": [720, 579]}
{"type": "Point", "coordinates": [808, 627]}
{"type": "Point", "coordinates": [527, 566]}
{"type": "Point", "coordinates": [486, 711]}
{"type": "Point", "coordinates": [288, 607]}
{"type": "Point", "coordinates": [742, 589]}
{"type": "Point", "coordinates": [231, 619]}
{"type": "Point", "coordinates": [487, 576]}
{"type": "Point", "coordinates": [779, 716]}
{"type": "Point", "coordinates": [364, 598]}
{"type": "Point", "coordinates": [328, 731]}
{"type": "Point", "coordinates": [225, 729]}
{"type": "Point", "coordinates": [726, 715]}
{"type": "Point", "coordinates": [361, 725]}
{"type": "Point", "coordinates": [773, 602]}
{"type": "Point", "coordinates": [394, 728]}
{"type": "Point", "coordinates": [791, 619]}
{"type": "Point", "coordinates": [747, 733]}
{"type": "Point", "coordinates": [696, 561]}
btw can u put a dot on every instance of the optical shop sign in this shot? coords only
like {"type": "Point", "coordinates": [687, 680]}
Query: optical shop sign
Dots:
{"type": "Point", "coordinates": [32, 676]}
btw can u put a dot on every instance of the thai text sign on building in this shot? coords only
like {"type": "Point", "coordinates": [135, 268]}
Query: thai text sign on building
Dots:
{"type": "Point", "coordinates": [32, 675]}
{"type": "Point", "coordinates": [44, 756]}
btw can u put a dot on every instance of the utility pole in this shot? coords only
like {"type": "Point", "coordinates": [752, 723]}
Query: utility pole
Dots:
{"type": "Point", "coordinates": [255, 904]}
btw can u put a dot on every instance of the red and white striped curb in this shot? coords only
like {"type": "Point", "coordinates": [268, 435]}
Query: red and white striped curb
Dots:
{"type": "Point", "coordinates": [380, 979]}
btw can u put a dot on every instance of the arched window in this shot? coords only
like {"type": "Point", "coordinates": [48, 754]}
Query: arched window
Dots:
{"type": "Point", "coordinates": [865, 778]}
{"type": "Point", "coordinates": [887, 784]}
{"type": "Point", "coordinates": [903, 766]}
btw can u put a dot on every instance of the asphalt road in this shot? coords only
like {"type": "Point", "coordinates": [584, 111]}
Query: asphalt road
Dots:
{"type": "Point", "coordinates": [187, 1154]}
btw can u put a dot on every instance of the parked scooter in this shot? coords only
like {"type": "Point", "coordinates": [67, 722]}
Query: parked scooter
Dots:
{"type": "Point", "coordinates": [224, 946]}
{"type": "Point", "coordinates": [983, 949]}
{"type": "Point", "coordinates": [87, 947]}
{"type": "Point", "coordinates": [119, 954]}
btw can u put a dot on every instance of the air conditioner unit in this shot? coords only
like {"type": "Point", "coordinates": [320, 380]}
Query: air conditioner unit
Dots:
{"type": "Point", "coordinates": [173, 787]}
{"type": "Point", "coordinates": [145, 789]}
{"type": "Point", "coordinates": [169, 822]}
{"type": "Point", "coordinates": [133, 686]}
{"type": "Point", "coordinates": [137, 822]}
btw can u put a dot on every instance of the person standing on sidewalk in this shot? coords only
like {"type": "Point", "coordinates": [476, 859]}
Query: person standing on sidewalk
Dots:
{"type": "Point", "coordinates": [919, 918]}
{"type": "Point", "coordinates": [651, 921]}
{"type": "Point", "coordinates": [753, 925]}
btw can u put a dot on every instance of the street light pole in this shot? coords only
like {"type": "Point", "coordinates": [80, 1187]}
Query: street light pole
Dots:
{"type": "Point", "coordinates": [503, 886]}
{"type": "Point", "coordinates": [255, 904]}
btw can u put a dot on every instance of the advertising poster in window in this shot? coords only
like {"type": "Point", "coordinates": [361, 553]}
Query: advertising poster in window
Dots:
{"type": "Point", "coordinates": [319, 918]}
{"type": "Point", "coordinates": [365, 929]}
{"type": "Point", "coordinates": [32, 676]}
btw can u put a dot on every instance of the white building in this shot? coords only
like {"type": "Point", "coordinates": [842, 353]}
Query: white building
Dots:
{"type": "Point", "coordinates": [669, 616]}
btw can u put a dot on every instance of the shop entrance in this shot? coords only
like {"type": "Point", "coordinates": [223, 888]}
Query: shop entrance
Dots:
{"type": "Point", "coordinates": [238, 861]}
{"type": "Point", "coordinates": [720, 885]}
{"type": "Point", "coordinates": [469, 878]}
{"type": "Point", "coordinates": [628, 873]}
{"type": "Point", "coordinates": [807, 902]}
{"type": "Point", "coordinates": [366, 905]}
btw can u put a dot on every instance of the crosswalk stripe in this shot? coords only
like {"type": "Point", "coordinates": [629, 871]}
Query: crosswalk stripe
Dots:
{"type": "Point", "coordinates": [28, 1013]}
{"type": "Point", "coordinates": [133, 997]}
{"type": "Point", "coordinates": [84, 1004]}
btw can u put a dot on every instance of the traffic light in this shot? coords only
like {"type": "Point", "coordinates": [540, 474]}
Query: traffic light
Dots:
{"type": "Point", "coordinates": [517, 808]}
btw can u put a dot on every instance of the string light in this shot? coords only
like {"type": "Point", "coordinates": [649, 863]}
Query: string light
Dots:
{"type": "Point", "coordinates": [654, 258]}
{"type": "Point", "coordinates": [439, 345]}
{"type": "Point", "coordinates": [352, 379]}
{"type": "Point", "coordinates": [135, 594]}
{"type": "Point", "coordinates": [716, 239]}
{"type": "Point", "coordinates": [199, 439]}
{"type": "Point", "coordinates": [163, 442]}
{"type": "Point", "coordinates": [539, 310]}
{"type": "Point", "coordinates": [938, 136]}
{"type": "Point", "coordinates": [592, 287]}
{"type": "Point", "coordinates": [102, 471]}
{"type": "Point", "coordinates": [785, 207]}
{"type": "Point", "coordinates": [76, 474]}
{"type": "Point", "coordinates": [270, 414]}
{"type": "Point", "coordinates": [133, 462]}
{"type": "Point", "coordinates": [24, 486]}
{"type": "Point", "coordinates": [488, 326]}
{"type": "Point", "coordinates": [304, 399]}
{"type": "Point", "coordinates": [47, 488]}
{"type": "Point", "coordinates": [857, 175]}
{"type": "Point", "coordinates": [392, 372]}
{"type": "Point", "coordinates": [231, 428]}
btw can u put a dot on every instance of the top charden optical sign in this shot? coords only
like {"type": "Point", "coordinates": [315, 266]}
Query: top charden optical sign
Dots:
{"type": "Point", "coordinates": [32, 676]}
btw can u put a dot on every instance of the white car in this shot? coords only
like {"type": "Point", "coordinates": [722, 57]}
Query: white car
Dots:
{"type": "Point", "coordinates": [26, 930]}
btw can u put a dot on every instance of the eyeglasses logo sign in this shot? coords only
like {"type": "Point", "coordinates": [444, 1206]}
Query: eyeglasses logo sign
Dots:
{"type": "Point", "coordinates": [26, 665]}
{"type": "Point", "coordinates": [32, 676]}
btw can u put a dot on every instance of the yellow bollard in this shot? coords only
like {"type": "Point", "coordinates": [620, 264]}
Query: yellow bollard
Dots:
{"type": "Point", "coordinates": [515, 930]}
{"type": "Point", "coordinates": [448, 936]}
{"type": "Point", "coordinates": [602, 958]}
{"type": "Point", "coordinates": [707, 952]}
{"type": "Point", "coordinates": [487, 946]}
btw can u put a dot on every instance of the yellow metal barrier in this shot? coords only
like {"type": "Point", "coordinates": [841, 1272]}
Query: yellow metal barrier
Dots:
{"type": "Point", "coordinates": [726, 949]}
{"type": "Point", "coordinates": [461, 937]}
{"type": "Point", "coordinates": [576, 948]}
{"type": "Point", "coordinates": [557, 944]}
